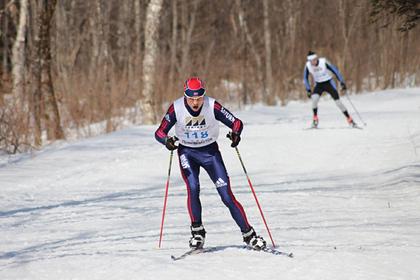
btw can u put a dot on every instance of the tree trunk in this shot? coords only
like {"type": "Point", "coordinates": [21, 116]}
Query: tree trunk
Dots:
{"type": "Point", "coordinates": [18, 56]}
{"type": "Point", "coordinates": [186, 43]}
{"type": "Point", "coordinates": [268, 88]}
{"type": "Point", "coordinates": [349, 18]}
{"type": "Point", "coordinates": [135, 62]}
{"type": "Point", "coordinates": [244, 70]}
{"type": "Point", "coordinates": [54, 130]}
{"type": "Point", "coordinates": [5, 47]}
{"type": "Point", "coordinates": [104, 63]}
{"type": "Point", "coordinates": [250, 41]}
{"type": "Point", "coordinates": [123, 51]}
{"type": "Point", "coordinates": [174, 43]}
{"type": "Point", "coordinates": [137, 27]}
{"type": "Point", "coordinates": [288, 48]}
{"type": "Point", "coordinates": [95, 45]}
{"type": "Point", "coordinates": [149, 61]}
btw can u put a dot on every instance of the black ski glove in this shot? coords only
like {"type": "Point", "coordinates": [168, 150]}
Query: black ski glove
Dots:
{"type": "Point", "coordinates": [235, 138]}
{"type": "Point", "coordinates": [343, 86]}
{"type": "Point", "coordinates": [170, 143]}
{"type": "Point", "coordinates": [309, 93]}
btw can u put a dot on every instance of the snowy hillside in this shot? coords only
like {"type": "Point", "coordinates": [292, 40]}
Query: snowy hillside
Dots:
{"type": "Point", "coordinates": [345, 201]}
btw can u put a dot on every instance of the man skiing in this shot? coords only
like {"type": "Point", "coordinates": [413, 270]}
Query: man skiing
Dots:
{"type": "Point", "coordinates": [196, 118]}
{"type": "Point", "coordinates": [321, 69]}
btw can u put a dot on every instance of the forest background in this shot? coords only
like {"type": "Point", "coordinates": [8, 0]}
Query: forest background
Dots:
{"type": "Point", "coordinates": [75, 68]}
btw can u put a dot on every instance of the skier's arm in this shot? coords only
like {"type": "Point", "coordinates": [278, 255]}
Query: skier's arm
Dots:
{"type": "Point", "coordinates": [167, 123]}
{"type": "Point", "coordinates": [306, 79]}
{"type": "Point", "coordinates": [337, 73]}
{"type": "Point", "coordinates": [227, 118]}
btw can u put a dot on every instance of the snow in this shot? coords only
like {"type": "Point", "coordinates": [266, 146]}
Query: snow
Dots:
{"type": "Point", "coordinates": [345, 201]}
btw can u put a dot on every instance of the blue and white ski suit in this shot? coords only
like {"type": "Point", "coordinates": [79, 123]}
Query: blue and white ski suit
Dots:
{"type": "Point", "coordinates": [197, 133]}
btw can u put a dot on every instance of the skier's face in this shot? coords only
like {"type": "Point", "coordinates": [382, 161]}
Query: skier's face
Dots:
{"type": "Point", "coordinates": [314, 62]}
{"type": "Point", "coordinates": [195, 103]}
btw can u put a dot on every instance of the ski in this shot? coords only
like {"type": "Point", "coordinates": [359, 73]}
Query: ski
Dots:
{"type": "Point", "coordinates": [190, 252]}
{"type": "Point", "coordinates": [311, 128]}
{"type": "Point", "coordinates": [196, 251]}
{"type": "Point", "coordinates": [271, 251]}
{"type": "Point", "coordinates": [357, 127]}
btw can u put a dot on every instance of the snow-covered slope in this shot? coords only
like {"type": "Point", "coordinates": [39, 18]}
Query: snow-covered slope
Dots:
{"type": "Point", "coordinates": [345, 201]}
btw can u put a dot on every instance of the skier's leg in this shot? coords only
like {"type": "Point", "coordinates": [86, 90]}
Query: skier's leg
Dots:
{"type": "Point", "coordinates": [332, 90]}
{"type": "Point", "coordinates": [215, 167]}
{"type": "Point", "coordinates": [217, 171]}
{"type": "Point", "coordinates": [190, 171]}
{"type": "Point", "coordinates": [315, 99]}
{"type": "Point", "coordinates": [318, 90]}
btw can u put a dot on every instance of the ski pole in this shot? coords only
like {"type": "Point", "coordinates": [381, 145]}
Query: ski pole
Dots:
{"type": "Point", "coordinates": [348, 97]}
{"type": "Point", "coordinates": [166, 197]}
{"type": "Point", "coordinates": [252, 189]}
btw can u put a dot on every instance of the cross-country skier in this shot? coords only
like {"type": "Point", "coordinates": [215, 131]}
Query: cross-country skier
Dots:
{"type": "Point", "coordinates": [196, 119]}
{"type": "Point", "coordinates": [321, 69]}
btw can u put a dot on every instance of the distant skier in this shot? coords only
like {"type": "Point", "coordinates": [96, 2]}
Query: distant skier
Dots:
{"type": "Point", "coordinates": [196, 118]}
{"type": "Point", "coordinates": [321, 69]}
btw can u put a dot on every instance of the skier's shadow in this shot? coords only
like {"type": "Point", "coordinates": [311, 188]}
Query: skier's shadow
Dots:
{"type": "Point", "coordinates": [330, 128]}
{"type": "Point", "coordinates": [221, 248]}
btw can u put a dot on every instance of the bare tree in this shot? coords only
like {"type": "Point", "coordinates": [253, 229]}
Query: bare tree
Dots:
{"type": "Point", "coordinates": [348, 27]}
{"type": "Point", "coordinates": [53, 120]}
{"type": "Point", "coordinates": [105, 60]}
{"type": "Point", "coordinates": [149, 61]}
{"type": "Point", "coordinates": [138, 39]}
{"type": "Point", "coordinates": [44, 102]}
{"type": "Point", "coordinates": [269, 86]}
{"type": "Point", "coordinates": [250, 41]}
{"type": "Point", "coordinates": [189, 22]}
{"type": "Point", "coordinates": [18, 58]}
{"type": "Point", "coordinates": [4, 33]}
{"type": "Point", "coordinates": [174, 43]}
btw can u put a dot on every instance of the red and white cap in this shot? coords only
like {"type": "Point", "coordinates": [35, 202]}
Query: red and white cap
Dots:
{"type": "Point", "coordinates": [194, 87]}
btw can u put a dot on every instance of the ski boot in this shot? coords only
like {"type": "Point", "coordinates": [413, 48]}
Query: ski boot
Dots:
{"type": "Point", "coordinates": [351, 122]}
{"type": "Point", "coordinates": [315, 122]}
{"type": "Point", "coordinates": [198, 236]}
{"type": "Point", "coordinates": [253, 240]}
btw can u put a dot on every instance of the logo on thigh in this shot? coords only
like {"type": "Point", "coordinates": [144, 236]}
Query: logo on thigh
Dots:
{"type": "Point", "coordinates": [184, 162]}
{"type": "Point", "coordinates": [220, 183]}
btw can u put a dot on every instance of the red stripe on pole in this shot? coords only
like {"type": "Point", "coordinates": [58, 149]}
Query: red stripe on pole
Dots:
{"type": "Point", "coordinates": [166, 198]}
{"type": "Point", "coordinates": [163, 212]}
{"type": "Point", "coordinates": [262, 214]}
{"type": "Point", "coordinates": [255, 195]}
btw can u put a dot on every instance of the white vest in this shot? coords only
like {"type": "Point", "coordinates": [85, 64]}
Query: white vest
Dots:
{"type": "Point", "coordinates": [320, 72]}
{"type": "Point", "coordinates": [197, 131]}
